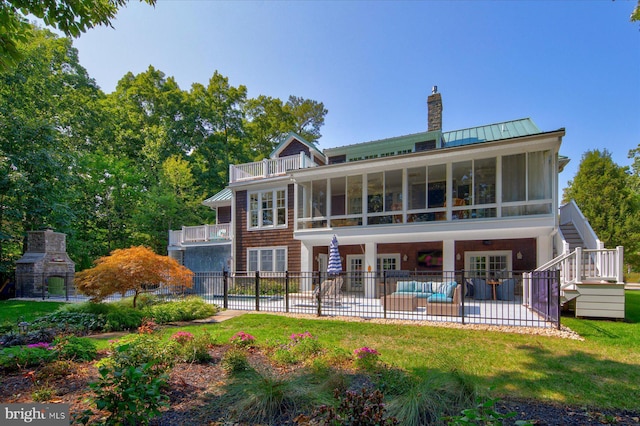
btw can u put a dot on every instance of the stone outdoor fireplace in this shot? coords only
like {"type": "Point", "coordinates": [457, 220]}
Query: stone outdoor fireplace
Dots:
{"type": "Point", "coordinates": [45, 269]}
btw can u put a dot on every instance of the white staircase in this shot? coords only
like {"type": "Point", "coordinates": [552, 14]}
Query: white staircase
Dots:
{"type": "Point", "coordinates": [590, 276]}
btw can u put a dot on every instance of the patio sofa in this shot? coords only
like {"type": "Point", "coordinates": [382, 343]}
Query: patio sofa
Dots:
{"type": "Point", "coordinates": [426, 291]}
{"type": "Point", "coordinates": [448, 306]}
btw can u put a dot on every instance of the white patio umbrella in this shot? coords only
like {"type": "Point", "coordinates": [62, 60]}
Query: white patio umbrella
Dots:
{"type": "Point", "coordinates": [335, 264]}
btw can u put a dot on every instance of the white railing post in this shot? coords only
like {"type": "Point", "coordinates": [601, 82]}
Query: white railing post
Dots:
{"type": "Point", "coordinates": [620, 264]}
{"type": "Point", "coordinates": [578, 265]}
{"type": "Point", "coordinates": [302, 158]}
{"type": "Point", "coordinates": [265, 168]}
{"type": "Point", "coordinates": [182, 235]}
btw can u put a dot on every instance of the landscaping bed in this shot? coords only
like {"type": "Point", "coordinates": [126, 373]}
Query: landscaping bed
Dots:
{"type": "Point", "coordinates": [196, 393]}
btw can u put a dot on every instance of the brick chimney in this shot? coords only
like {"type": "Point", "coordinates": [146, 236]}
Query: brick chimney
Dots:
{"type": "Point", "coordinates": [434, 105]}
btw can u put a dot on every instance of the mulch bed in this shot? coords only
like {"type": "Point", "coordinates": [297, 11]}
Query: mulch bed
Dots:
{"type": "Point", "coordinates": [195, 387]}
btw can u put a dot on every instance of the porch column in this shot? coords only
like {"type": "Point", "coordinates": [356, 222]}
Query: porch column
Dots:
{"type": "Point", "coordinates": [544, 249]}
{"type": "Point", "coordinates": [370, 264]}
{"type": "Point", "coordinates": [448, 255]}
{"type": "Point", "coordinates": [306, 266]}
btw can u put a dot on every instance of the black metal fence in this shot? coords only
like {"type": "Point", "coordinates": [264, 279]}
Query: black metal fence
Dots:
{"type": "Point", "coordinates": [466, 297]}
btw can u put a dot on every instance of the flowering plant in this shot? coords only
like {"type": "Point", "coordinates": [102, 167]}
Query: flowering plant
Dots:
{"type": "Point", "coordinates": [242, 339]}
{"type": "Point", "coordinates": [298, 337]}
{"type": "Point", "coordinates": [366, 358]}
{"type": "Point", "coordinates": [41, 345]}
{"type": "Point", "coordinates": [366, 352]}
{"type": "Point", "coordinates": [182, 337]}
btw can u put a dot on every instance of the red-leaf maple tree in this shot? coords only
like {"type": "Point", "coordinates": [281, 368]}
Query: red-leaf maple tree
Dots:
{"type": "Point", "coordinates": [136, 269]}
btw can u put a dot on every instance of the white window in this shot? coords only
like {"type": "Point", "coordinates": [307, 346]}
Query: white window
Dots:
{"type": "Point", "coordinates": [388, 262]}
{"type": "Point", "coordinates": [488, 264]}
{"type": "Point", "coordinates": [267, 209]}
{"type": "Point", "coordinates": [267, 259]}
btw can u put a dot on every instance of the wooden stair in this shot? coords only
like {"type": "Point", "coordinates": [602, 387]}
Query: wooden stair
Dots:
{"type": "Point", "coordinates": [571, 236]}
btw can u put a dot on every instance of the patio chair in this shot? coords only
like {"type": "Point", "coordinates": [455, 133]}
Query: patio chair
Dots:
{"type": "Point", "coordinates": [481, 290]}
{"type": "Point", "coordinates": [506, 290]}
{"type": "Point", "coordinates": [330, 291]}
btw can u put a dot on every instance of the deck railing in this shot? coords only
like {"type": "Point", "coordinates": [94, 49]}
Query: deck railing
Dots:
{"type": "Point", "coordinates": [268, 167]}
{"type": "Point", "coordinates": [201, 233]}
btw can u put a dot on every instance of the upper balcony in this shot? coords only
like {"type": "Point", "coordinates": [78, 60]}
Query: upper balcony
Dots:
{"type": "Point", "coordinates": [200, 234]}
{"type": "Point", "coordinates": [269, 167]}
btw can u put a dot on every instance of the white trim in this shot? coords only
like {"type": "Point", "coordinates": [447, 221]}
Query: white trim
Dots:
{"type": "Point", "coordinates": [486, 253]}
{"type": "Point", "coordinates": [274, 208]}
{"type": "Point", "coordinates": [273, 250]}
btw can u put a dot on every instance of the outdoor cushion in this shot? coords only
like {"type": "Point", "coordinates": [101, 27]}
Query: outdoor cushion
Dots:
{"type": "Point", "coordinates": [482, 290]}
{"type": "Point", "coordinates": [439, 297]}
{"type": "Point", "coordinates": [450, 287]}
{"type": "Point", "coordinates": [405, 286]}
{"type": "Point", "coordinates": [506, 290]}
{"type": "Point", "coordinates": [426, 287]}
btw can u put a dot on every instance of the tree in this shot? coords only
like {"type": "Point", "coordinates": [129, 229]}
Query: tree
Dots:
{"type": "Point", "coordinates": [46, 113]}
{"type": "Point", "coordinates": [72, 17]}
{"type": "Point", "coordinates": [603, 191]}
{"type": "Point", "coordinates": [308, 115]}
{"type": "Point", "coordinates": [136, 269]}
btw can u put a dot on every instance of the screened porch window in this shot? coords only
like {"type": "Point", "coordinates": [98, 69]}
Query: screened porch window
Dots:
{"type": "Point", "coordinates": [527, 184]}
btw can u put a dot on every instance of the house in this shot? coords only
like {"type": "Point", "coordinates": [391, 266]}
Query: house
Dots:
{"type": "Point", "coordinates": [483, 198]}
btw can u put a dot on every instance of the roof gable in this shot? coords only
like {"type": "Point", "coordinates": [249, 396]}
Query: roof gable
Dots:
{"type": "Point", "coordinates": [294, 138]}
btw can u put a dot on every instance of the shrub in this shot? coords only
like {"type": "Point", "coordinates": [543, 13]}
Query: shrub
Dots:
{"type": "Point", "coordinates": [120, 318]}
{"type": "Point", "coordinates": [140, 349]}
{"type": "Point", "coordinates": [482, 413]}
{"type": "Point", "coordinates": [355, 408]}
{"type": "Point", "coordinates": [189, 309]}
{"type": "Point", "coordinates": [6, 326]}
{"type": "Point", "coordinates": [305, 345]}
{"type": "Point", "coordinates": [182, 337]}
{"type": "Point", "coordinates": [75, 348]}
{"type": "Point", "coordinates": [42, 393]}
{"type": "Point", "coordinates": [35, 336]}
{"type": "Point", "coordinates": [131, 394]}
{"type": "Point", "coordinates": [235, 361]}
{"type": "Point", "coordinates": [301, 347]}
{"type": "Point", "coordinates": [117, 316]}
{"type": "Point", "coordinates": [54, 370]}
{"type": "Point", "coordinates": [242, 339]}
{"type": "Point", "coordinates": [366, 358]}
{"type": "Point", "coordinates": [71, 322]}
{"type": "Point", "coordinates": [195, 348]}
{"type": "Point", "coordinates": [17, 357]}
{"type": "Point", "coordinates": [262, 399]}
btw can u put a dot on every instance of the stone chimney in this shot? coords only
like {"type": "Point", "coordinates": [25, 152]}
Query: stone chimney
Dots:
{"type": "Point", "coordinates": [434, 105]}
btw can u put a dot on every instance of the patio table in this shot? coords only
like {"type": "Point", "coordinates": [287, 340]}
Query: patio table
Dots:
{"type": "Point", "coordinates": [398, 302]}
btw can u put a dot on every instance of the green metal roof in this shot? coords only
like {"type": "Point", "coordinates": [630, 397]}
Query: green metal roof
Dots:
{"type": "Point", "coordinates": [389, 146]}
{"type": "Point", "coordinates": [221, 198]}
{"type": "Point", "coordinates": [491, 132]}
{"type": "Point", "coordinates": [487, 133]}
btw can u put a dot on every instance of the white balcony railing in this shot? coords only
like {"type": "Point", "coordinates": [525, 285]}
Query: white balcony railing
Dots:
{"type": "Point", "coordinates": [268, 167]}
{"type": "Point", "coordinates": [201, 233]}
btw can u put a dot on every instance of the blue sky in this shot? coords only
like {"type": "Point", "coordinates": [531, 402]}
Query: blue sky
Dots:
{"type": "Point", "coordinates": [571, 64]}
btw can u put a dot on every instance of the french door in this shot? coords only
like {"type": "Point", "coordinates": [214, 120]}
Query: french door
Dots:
{"type": "Point", "coordinates": [355, 269]}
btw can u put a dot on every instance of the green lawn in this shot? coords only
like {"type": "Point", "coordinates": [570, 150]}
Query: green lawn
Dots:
{"type": "Point", "coordinates": [14, 311]}
{"type": "Point", "coordinates": [602, 371]}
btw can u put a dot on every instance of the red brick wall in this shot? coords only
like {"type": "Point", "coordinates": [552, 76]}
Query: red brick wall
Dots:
{"type": "Point", "coordinates": [265, 238]}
